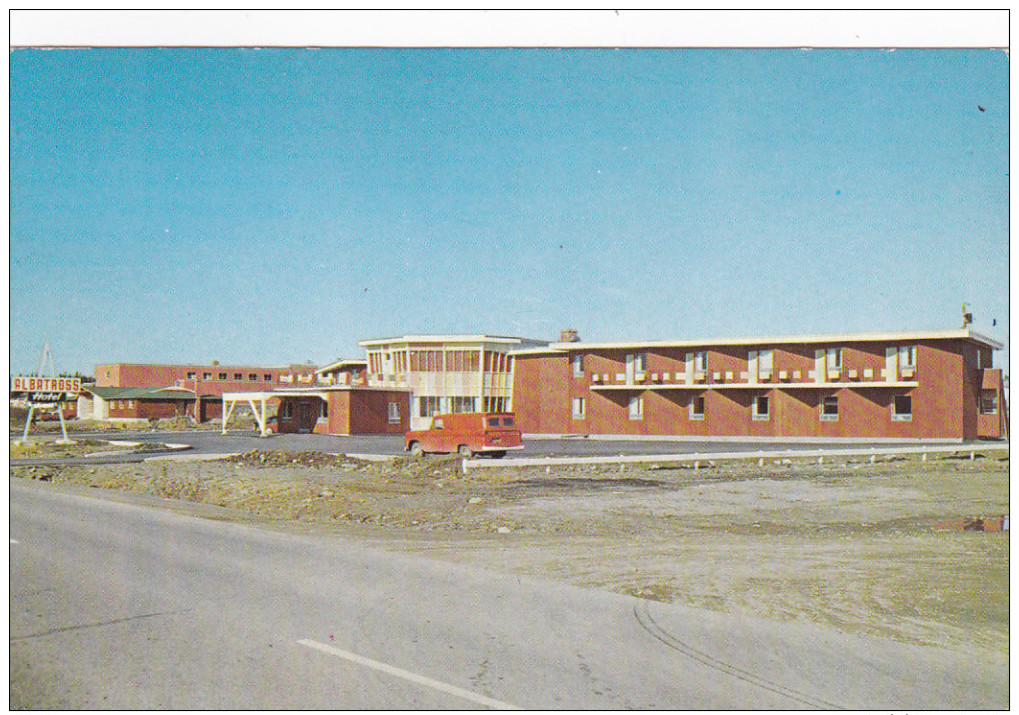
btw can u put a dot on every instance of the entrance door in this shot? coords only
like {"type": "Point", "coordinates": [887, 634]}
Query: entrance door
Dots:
{"type": "Point", "coordinates": [305, 419]}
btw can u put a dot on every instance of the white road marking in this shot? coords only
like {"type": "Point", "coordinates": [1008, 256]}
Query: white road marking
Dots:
{"type": "Point", "coordinates": [407, 675]}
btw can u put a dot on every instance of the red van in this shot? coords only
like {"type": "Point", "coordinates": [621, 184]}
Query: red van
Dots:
{"type": "Point", "coordinates": [468, 434]}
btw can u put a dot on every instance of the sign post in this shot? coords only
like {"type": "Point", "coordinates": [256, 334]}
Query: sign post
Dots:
{"type": "Point", "coordinates": [45, 392]}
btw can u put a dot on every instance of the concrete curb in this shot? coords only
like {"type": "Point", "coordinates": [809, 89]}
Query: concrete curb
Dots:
{"type": "Point", "coordinates": [818, 454]}
{"type": "Point", "coordinates": [741, 440]}
{"type": "Point", "coordinates": [189, 457]}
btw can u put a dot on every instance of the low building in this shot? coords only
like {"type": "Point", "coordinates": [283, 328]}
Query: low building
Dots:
{"type": "Point", "coordinates": [936, 385]}
{"type": "Point", "coordinates": [145, 391]}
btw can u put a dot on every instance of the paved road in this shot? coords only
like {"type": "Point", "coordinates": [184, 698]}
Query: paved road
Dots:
{"type": "Point", "coordinates": [114, 604]}
{"type": "Point", "coordinates": [212, 442]}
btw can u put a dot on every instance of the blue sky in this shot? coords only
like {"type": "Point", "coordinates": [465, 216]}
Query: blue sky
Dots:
{"type": "Point", "coordinates": [279, 205]}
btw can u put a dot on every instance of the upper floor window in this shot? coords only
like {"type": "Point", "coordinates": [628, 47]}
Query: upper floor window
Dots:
{"type": "Point", "coordinates": [222, 376]}
{"type": "Point", "coordinates": [238, 376]}
{"type": "Point", "coordinates": [700, 362]}
{"type": "Point", "coordinates": [578, 365]}
{"type": "Point", "coordinates": [637, 361]}
{"type": "Point", "coordinates": [907, 357]}
{"type": "Point", "coordinates": [765, 363]}
{"type": "Point", "coordinates": [833, 359]}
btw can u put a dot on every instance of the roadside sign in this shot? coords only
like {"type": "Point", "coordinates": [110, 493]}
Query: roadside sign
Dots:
{"type": "Point", "coordinates": [46, 386]}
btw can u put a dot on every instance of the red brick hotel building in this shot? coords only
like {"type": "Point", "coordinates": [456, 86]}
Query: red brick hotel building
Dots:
{"type": "Point", "coordinates": [937, 385]}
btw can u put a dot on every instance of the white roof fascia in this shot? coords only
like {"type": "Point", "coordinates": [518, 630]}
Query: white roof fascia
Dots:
{"type": "Point", "coordinates": [341, 363]}
{"type": "Point", "coordinates": [538, 351]}
{"type": "Point", "coordinates": [441, 339]}
{"type": "Point", "coordinates": [961, 334]}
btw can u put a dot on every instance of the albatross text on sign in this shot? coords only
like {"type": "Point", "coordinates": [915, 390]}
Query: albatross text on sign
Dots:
{"type": "Point", "coordinates": [65, 385]}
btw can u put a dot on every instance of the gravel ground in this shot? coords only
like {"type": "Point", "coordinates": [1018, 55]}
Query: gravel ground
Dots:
{"type": "Point", "coordinates": [865, 547]}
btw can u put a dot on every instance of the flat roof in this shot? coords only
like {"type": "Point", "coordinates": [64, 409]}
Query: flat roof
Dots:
{"type": "Point", "coordinates": [501, 339]}
{"type": "Point", "coordinates": [341, 363]}
{"type": "Point", "coordinates": [958, 334]}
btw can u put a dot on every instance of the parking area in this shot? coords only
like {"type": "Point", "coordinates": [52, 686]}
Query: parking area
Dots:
{"type": "Point", "coordinates": [235, 441]}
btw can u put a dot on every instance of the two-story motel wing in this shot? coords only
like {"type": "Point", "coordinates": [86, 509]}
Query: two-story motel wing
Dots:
{"type": "Point", "coordinates": [903, 385]}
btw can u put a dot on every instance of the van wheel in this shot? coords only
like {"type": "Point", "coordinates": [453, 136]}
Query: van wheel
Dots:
{"type": "Point", "coordinates": [415, 449]}
{"type": "Point", "coordinates": [465, 451]}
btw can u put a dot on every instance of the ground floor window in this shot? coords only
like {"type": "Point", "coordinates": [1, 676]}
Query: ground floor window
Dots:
{"type": "Point", "coordinates": [394, 413]}
{"type": "Point", "coordinates": [578, 408]}
{"type": "Point", "coordinates": [761, 406]}
{"type": "Point", "coordinates": [902, 408]}
{"type": "Point", "coordinates": [636, 408]}
{"type": "Point", "coordinates": [428, 406]}
{"type": "Point", "coordinates": [324, 412]}
{"type": "Point", "coordinates": [830, 409]}
{"type": "Point", "coordinates": [494, 404]}
{"type": "Point", "coordinates": [988, 402]}
{"type": "Point", "coordinates": [286, 411]}
{"type": "Point", "coordinates": [462, 404]}
{"type": "Point", "coordinates": [697, 408]}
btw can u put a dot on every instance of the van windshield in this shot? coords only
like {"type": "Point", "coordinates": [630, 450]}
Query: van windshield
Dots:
{"type": "Point", "coordinates": [497, 421]}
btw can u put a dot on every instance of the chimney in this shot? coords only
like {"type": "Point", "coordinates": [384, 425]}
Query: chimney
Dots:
{"type": "Point", "coordinates": [568, 335]}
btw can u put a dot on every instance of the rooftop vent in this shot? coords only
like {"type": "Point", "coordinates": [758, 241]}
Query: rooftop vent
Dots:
{"type": "Point", "coordinates": [569, 335]}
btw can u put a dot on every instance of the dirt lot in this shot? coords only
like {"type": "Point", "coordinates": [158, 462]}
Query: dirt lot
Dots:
{"type": "Point", "coordinates": [862, 546]}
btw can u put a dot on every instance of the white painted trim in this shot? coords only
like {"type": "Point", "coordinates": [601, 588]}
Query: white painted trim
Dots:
{"type": "Point", "coordinates": [856, 385]}
{"type": "Point", "coordinates": [964, 334]}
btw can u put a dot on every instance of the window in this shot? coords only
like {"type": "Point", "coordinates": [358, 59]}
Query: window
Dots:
{"type": "Point", "coordinates": [493, 421]}
{"type": "Point", "coordinates": [907, 357]}
{"type": "Point", "coordinates": [833, 359]}
{"type": "Point", "coordinates": [238, 376]}
{"type": "Point", "coordinates": [428, 406]}
{"type": "Point", "coordinates": [192, 375]}
{"type": "Point", "coordinates": [988, 402]}
{"type": "Point", "coordinates": [394, 413]}
{"type": "Point", "coordinates": [494, 404]}
{"type": "Point", "coordinates": [462, 404]}
{"type": "Point", "coordinates": [578, 408]}
{"type": "Point", "coordinates": [267, 378]}
{"type": "Point", "coordinates": [207, 376]}
{"type": "Point", "coordinates": [761, 408]}
{"type": "Point", "coordinates": [638, 361]}
{"type": "Point", "coordinates": [222, 376]}
{"type": "Point", "coordinates": [902, 408]}
{"type": "Point", "coordinates": [507, 421]}
{"type": "Point", "coordinates": [286, 410]}
{"type": "Point", "coordinates": [636, 408]}
{"type": "Point", "coordinates": [830, 409]}
{"type": "Point", "coordinates": [324, 412]}
{"type": "Point", "coordinates": [578, 365]}
{"type": "Point", "coordinates": [765, 362]}
{"type": "Point", "coordinates": [700, 362]}
{"type": "Point", "coordinates": [697, 408]}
